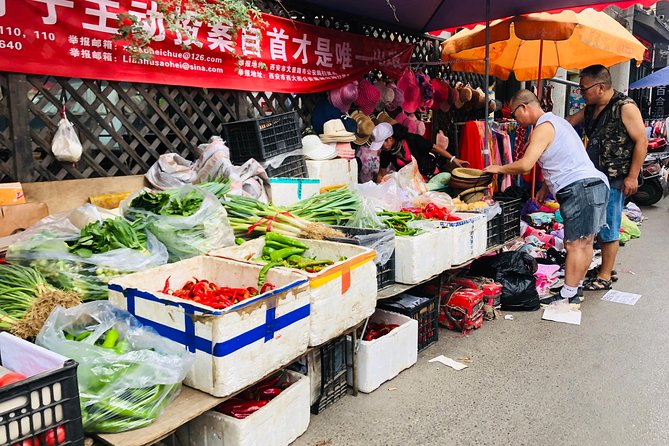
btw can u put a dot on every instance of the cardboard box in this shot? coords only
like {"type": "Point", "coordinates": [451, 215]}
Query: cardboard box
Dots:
{"type": "Point", "coordinates": [11, 193]}
{"type": "Point", "coordinates": [18, 217]}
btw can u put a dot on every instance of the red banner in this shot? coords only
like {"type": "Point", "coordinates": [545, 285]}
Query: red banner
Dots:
{"type": "Point", "coordinates": [74, 38]}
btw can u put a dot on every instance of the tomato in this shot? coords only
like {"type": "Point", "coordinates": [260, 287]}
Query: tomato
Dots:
{"type": "Point", "coordinates": [11, 378]}
{"type": "Point", "coordinates": [34, 441]}
{"type": "Point", "coordinates": [55, 437]}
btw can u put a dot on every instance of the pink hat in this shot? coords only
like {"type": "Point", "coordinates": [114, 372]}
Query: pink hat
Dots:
{"type": "Point", "coordinates": [368, 97]}
{"type": "Point", "coordinates": [414, 125]}
{"type": "Point", "coordinates": [441, 96]}
{"type": "Point", "coordinates": [344, 96]}
{"type": "Point", "coordinates": [387, 94]}
{"type": "Point", "coordinates": [409, 86]}
{"type": "Point", "coordinates": [398, 100]}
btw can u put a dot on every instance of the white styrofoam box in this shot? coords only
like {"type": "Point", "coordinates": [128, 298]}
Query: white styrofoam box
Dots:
{"type": "Point", "coordinates": [334, 172]}
{"type": "Point", "coordinates": [470, 236]}
{"type": "Point", "coordinates": [342, 295]}
{"type": "Point", "coordinates": [384, 358]}
{"type": "Point", "coordinates": [286, 191]}
{"type": "Point", "coordinates": [279, 423]}
{"type": "Point", "coordinates": [417, 258]}
{"type": "Point", "coordinates": [236, 346]}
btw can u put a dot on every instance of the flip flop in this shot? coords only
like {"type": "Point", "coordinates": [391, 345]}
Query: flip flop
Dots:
{"type": "Point", "coordinates": [597, 284]}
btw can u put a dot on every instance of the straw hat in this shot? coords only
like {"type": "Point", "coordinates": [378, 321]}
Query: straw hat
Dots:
{"type": "Point", "coordinates": [365, 127]}
{"type": "Point", "coordinates": [386, 95]}
{"type": "Point", "coordinates": [463, 178]}
{"type": "Point", "coordinates": [466, 94]}
{"type": "Point", "coordinates": [384, 117]}
{"type": "Point", "coordinates": [368, 97]}
{"type": "Point", "coordinates": [457, 98]}
{"type": "Point", "coordinates": [334, 131]}
{"type": "Point", "coordinates": [344, 96]}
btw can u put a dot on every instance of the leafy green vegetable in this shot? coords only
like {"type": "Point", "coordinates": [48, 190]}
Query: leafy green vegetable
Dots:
{"type": "Point", "coordinates": [104, 236]}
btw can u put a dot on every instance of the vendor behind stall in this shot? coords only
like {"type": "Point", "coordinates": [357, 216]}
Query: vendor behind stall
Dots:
{"type": "Point", "coordinates": [398, 147]}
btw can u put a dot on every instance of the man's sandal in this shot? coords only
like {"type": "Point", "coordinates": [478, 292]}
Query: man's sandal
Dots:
{"type": "Point", "coordinates": [592, 274]}
{"type": "Point", "coordinates": [597, 284]}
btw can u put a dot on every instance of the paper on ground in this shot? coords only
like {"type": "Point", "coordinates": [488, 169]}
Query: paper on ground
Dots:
{"type": "Point", "coordinates": [449, 362]}
{"type": "Point", "coordinates": [557, 314]}
{"type": "Point", "coordinates": [621, 297]}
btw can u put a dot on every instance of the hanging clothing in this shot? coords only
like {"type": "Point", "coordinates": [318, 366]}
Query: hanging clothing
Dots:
{"type": "Point", "coordinates": [470, 145]}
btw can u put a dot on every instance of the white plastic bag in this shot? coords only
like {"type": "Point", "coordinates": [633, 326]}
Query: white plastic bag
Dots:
{"type": "Point", "coordinates": [126, 382]}
{"type": "Point", "coordinates": [66, 146]}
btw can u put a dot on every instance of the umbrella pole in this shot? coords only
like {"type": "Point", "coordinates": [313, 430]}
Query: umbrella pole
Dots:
{"type": "Point", "coordinates": [486, 126]}
{"type": "Point", "coordinates": [539, 94]}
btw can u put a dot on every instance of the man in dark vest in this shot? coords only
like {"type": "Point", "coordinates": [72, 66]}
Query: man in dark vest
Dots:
{"type": "Point", "coordinates": [616, 143]}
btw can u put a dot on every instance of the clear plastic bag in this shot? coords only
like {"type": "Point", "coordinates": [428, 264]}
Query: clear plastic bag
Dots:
{"type": "Point", "coordinates": [382, 242]}
{"type": "Point", "coordinates": [43, 247]}
{"type": "Point", "coordinates": [185, 237]}
{"type": "Point", "coordinates": [125, 383]}
{"type": "Point", "coordinates": [441, 199]}
{"type": "Point", "coordinates": [365, 216]}
{"type": "Point", "coordinates": [66, 146]}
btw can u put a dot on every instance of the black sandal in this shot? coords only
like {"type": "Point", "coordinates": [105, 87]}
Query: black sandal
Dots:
{"type": "Point", "coordinates": [597, 284]}
{"type": "Point", "coordinates": [592, 274]}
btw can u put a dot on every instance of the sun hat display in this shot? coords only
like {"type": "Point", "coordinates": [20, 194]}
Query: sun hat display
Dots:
{"type": "Point", "coordinates": [386, 95]}
{"type": "Point", "coordinates": [349, 123]}
{"type": "Point", "coordinates": [478, 98]}
{"type": "Point", "coordinates": [441, 97]}
{"type": "Point", "coordinates": [368, 97]}
{"type": "Point", "coordinates": [466, 94]}
{"type": "Point", "coordinates": [414, 125]}
{"type": "Point", "coordinates": [314, 149]}
{"type": "Point", "coordinates": [344, 150]}
{"type": "Point", "coordinates": [365, 127]}
{"type": "Point", "coordinates": [384, 117]}
{"type": "Point", "coordinates": [426, 91]}
{"type": "Point", "coordinates": [409, 86]}
{"type": "Point", "coordinates": [323, 111]}
{"type": "Point", "coordinates": [344, 96]}
{"type": "Point", "coordinates": [398, 100]}
{"type": "Point", "coordinates": [334, 131]}
{"type": "Point", "coordinates": [381, 132]}
{"type": "Point", "coordinates": [463, 178]}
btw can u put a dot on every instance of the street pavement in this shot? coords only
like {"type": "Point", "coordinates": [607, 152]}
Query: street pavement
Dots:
{"type": "Point", "coordinates": [534, 382]}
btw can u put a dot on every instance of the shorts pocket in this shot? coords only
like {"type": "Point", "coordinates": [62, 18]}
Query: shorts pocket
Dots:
{"type": "Point", "coordinates": [596, 193]}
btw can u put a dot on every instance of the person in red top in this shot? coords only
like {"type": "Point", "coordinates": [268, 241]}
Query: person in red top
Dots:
{"type": "Point", "coordinates": [399, 147]}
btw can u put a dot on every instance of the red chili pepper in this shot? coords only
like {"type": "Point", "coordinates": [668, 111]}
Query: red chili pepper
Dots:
{"type": "Point", "coordinates": [269, 393]}
{"type": "Point", "coordinates": [166, 288]}
{"type": "Point", "coordinates": [266, 287]}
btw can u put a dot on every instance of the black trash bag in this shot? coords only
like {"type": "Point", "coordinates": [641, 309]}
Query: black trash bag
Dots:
{"type": "Point", "coordinates": [515, 272]}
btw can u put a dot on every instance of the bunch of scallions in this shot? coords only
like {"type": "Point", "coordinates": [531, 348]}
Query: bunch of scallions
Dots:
{"type": "Point", "coordinates": [305, 219]}
{"type": "Point", "coordinates": [26, 300]}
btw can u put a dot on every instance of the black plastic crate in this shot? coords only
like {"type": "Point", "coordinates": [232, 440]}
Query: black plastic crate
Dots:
{"type": "Point", "coordinates": [42, 399]}
{"type": "Point", "coordinates": [333, 374]}
{"type": "Point", "coordinates": [424, 309]}
{"type": "Point", "coordinates": [262, 138]}
{"type": "Point", "coordinates": [292, 167]}
{"type": "Point", "coordinates": [510, 218]}
{"type": "Point", "coordinates": [495, 231]}
{"type": "Point", "coordinates": [385, 273]}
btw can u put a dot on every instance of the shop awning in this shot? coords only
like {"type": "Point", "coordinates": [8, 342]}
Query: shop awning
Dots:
{"type": "Point", "coordinates": [432, 15]}
{"type": "Point", "coordinates": [658, 79]}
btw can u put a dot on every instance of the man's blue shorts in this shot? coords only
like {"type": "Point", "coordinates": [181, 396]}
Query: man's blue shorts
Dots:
{"type": "Point", "coordinates": [614, 216]}
{"type": "Point", "coordinates": [583, 208]}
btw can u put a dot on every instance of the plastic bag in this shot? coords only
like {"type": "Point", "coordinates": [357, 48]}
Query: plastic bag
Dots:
{"type": "Point", "coordinates": [43, 247]}
{"type": "Point", "coordinates": [125, 384]}
{"type": "Point", "coordinates": [515, 272]}
{"type": "Point", "coordinates": [185, 237]}
{"type": "Point", "coordinates": [384, 196]}
{"type": "Point", "coordinates": [382, 242]}
{"type": "Point", "coordinates": [365, 216]}
{"type": "Point", "coordinates": [66, 146]}
{"type": "Point", "coordinates": [411, 181]}
{"type": "Point", "coordinates": [441, 199]}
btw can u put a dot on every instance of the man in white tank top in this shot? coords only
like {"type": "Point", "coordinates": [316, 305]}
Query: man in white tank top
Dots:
{"type": "Point", "coordinates": [580, 188]}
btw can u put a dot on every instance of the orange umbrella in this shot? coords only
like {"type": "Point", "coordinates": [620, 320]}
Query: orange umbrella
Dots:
{"type": "Point", "coordinates": [567, 40]}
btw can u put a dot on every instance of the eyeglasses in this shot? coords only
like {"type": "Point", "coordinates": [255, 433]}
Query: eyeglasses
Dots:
{"type": "Point", "coordinates": [582, 90]}
{"type": "Point", "coordinates": [513, 113]}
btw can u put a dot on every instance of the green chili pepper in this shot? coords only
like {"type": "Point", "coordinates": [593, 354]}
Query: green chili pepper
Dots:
{"type": "Point", "coordinates": [110, 339]}
{"type": "Point", "coordinates": [239, 241]}
{"type": "Point", "coordinates": [277, 256]}
{"type": "Point", "coordinates": [122, 347]}
{"type": "Point", "coordinates": [273, 237]}
{"type": "Point", "coordinates": [263, 273]}
{"type": "Point", "coordinates": [83, 336]}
